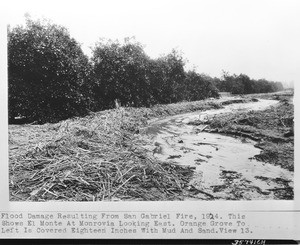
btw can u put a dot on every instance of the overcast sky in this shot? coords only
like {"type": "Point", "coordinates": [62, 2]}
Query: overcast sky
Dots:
{"type": "Point", "coordinates": [260, 38]}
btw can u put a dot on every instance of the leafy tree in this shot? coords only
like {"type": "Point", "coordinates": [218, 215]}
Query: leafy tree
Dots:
{"type": "Point", "coordinates": [278, 86]}
{"type": "Point", "coordinates": [199, 87]}
{"type": "Point", "coordinates": [172, 81]}
{"type": "Point", "coordinates": [47, 73]}
{"type": "Point", "coordinates": [208, 88]}
{"type": "Point", "coordinates": [124, 72]}
{"type": "Point", "coordinates": [246, 83]}
{"type": "Point", "coordinates": [120, 72]}
{"type": "Point", "coordinates": [242, 84]}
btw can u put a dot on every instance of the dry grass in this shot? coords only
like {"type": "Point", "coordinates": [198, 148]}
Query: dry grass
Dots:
{"type": "Point", "coordinates": [99, 157]}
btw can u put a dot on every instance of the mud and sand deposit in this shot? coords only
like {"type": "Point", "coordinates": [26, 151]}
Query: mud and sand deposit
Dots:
{"type": "Point", "coordinates": [235, 148]}
{"type": "Point", "coordinates": [226, 166]}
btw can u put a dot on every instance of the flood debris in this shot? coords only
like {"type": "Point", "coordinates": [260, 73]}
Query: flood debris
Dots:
{"type": "Point", "coordinates": [196, 192]}
{"type": "Point", "coordinates": [272, 129]}
{"type": "Point", "coordinates": [200, 160]}
{"type": "Point", "coordinates": [111, 155]}
{"type": "Point", "coordinates": [203, 155]}
{"type": "Point", "coordinates": [174, 156]}
{"type": "Point", "coordinates": [234, 101]}
{"type": "Point", "coordinates": [95, 158]}
{"type": "Point", "coordinates": [227, 152]}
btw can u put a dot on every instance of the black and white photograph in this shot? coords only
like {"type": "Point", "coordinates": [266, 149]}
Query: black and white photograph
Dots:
{"type": "Point", "coordinates": [140, 101]}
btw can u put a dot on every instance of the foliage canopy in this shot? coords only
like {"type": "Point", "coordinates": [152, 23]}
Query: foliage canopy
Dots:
{"type": "Point", "coordinates": [51, 79]}
{"type": "Point", "coordinates": [47, 73]}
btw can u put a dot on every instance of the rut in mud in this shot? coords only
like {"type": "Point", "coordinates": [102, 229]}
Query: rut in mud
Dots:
{"type": "Point", "coordinates": [225, 167]}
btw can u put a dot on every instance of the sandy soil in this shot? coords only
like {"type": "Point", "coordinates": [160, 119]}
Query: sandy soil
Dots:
{"type": "Point", "coordinates": [229, 163]}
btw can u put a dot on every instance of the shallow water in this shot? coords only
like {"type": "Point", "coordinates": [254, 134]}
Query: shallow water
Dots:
{"type": "Point", "coordinates": [224, 165]}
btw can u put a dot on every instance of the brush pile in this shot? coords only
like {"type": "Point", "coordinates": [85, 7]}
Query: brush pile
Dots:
{"type": "Point", "coordinates": [95, 158]}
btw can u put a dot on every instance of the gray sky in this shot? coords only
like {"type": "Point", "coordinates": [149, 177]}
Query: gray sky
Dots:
{"type": "Point", "coordinates": [260, 38]}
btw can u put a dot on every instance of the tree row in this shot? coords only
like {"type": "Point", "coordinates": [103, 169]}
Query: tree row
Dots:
{"type": "Point", "coordinates": [51, 79]}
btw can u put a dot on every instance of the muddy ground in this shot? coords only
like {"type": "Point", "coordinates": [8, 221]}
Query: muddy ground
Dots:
{"type": "Point", "coordinates": [118, 154]}
{"type": "Point", "coordinates": [272, 129]}
{"type": "Point", "coordinates": [240, 152]}
{"type": "Point", "coordinates": [273, 133]}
